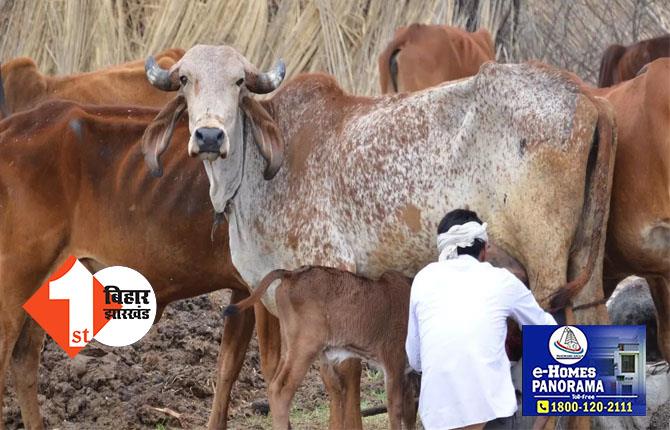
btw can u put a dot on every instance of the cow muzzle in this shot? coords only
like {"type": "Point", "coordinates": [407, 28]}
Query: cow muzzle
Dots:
{"type": "Point", "coordinates": [210, 143]}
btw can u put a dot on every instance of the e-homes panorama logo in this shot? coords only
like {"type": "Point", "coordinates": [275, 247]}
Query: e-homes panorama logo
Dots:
{"type": "Point", "coordinates": [568, 345]}
{"type": "Point", "coordinates": [115, 306]}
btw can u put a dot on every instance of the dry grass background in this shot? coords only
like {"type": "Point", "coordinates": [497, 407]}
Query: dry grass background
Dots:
{"type": "Point", "coordinates": [342, 37]}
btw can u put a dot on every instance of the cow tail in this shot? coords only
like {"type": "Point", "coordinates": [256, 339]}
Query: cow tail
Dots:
{"type": "Point", "coordinates": [596, 201]}
{"type": "Point", "coordinates": [3, 102]}
{"type": "Point", "coordinates": [242, 305]}
{"type": "Point", "coordinates": [608, 64]}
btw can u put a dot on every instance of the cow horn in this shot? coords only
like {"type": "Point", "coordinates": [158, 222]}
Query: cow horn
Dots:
{"type": "Point", "coordinates": [159, 77]}
{"type": "Point", "coordinates": [263, 83]}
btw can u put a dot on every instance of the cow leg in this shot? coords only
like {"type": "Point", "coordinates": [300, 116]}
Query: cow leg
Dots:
{"type": "Point", "coordinates": [269, 341]}
{"type": "Point", "coordinates": [574, 422]}
{"type": "Point", "coordinates": [25, 367]}
{"type": "Point", "coordinates": [343, 383]}
{"type": "Point", "coordinates": [411, 389]}
{"type": "Point", "coordinates": [19, 282]}
{"type": "Point", "coordinates": [237, 331]}
{"type": "Point", "coordinates": [12, 318]}
{"type": "Point", "coordinates": [660, 292]}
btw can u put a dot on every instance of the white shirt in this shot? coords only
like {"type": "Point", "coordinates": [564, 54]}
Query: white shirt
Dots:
{"type": "Point", "coordinates": [456, 338]}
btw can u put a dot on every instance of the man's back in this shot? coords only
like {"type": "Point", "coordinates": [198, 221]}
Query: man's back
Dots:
{"type": "Point", "coordinates": [468, 294]}
{"type": "Point", "coordinates": [458, 311]}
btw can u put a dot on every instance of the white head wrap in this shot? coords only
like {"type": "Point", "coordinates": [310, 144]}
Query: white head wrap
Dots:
{"type": "Point", "coordinates": [460, 236]}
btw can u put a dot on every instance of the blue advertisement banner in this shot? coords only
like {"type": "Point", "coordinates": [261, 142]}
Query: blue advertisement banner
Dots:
{"type": "Point", "coordinates": [584, 370]}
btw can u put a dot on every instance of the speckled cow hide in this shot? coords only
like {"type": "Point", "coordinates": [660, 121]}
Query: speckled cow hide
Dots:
{"type": "Point", "coordinates": [366, 180]}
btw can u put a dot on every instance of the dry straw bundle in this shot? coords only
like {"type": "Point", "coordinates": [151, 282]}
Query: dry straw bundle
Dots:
{"type": "Point", "coordinates": [342, 37]}
{"type": "Point", "coordinates": [574, 34]}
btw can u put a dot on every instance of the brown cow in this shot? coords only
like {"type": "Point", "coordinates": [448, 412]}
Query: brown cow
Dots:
{"type": "Point", "coordinates": [123, 84]}
{"type": "Point", "coordinates": [621, 63]}
{"type": "Point", "coordinates": [116, 85]}
{"type": "Point", "coordinates": [420, 56]}
{"type": "Point", "coordinates": [638, 235]}
{"type": "Point", "coordinates": [73, 182]}
{"type": "Point", "coordinates": [335, 315]}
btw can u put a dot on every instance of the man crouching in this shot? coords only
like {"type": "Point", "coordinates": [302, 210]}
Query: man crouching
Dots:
{"type": "Point", "coordinates": [457, 328]}
{"type": "Point", "coordinates": [336, 315]}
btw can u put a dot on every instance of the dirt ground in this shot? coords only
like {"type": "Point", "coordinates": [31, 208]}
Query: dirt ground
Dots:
{"type": "Point", "coordinates": [167, 381]}
{"type": "Point", "coordinates": [171, 368]}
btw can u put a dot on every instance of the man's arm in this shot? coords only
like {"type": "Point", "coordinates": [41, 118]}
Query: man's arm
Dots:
{"type": "Point", "coordinates": [413, 342]}
{"type": "Point", "coordinates": [523, 306]}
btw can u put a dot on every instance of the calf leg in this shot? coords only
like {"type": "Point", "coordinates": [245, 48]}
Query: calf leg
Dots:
{"type": "Point", "coordinates": [343, 383]}
{"type": "Point", "coordinates": [351, 370]}
{"type": "Point", "coordinates": [292, 370]}
{"type": "Point", "coordinates": [333, 383]}
{"type": "Point", "coordinates": [394, 397]}
{"type": "Point", "coordinates": [25, 366]}
{"type": "Point", "coordinates": [237, 331]}
{"type": "Point", "coordinates": [660, 292]}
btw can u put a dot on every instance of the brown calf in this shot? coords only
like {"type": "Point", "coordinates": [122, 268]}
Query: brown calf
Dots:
{"type": "Point", "coordinates": [336, 315]}
{"type": "Point", "coordinates": [421, 56]}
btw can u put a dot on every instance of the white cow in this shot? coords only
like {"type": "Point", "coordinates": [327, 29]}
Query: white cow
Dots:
{"type": "Point", "coordinates": [360, 183]}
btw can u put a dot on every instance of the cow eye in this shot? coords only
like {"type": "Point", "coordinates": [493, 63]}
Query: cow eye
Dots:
{"type": "Point", "coordinates": [239, 82]}
{"type": "Point", "coordinates": [183, 79]}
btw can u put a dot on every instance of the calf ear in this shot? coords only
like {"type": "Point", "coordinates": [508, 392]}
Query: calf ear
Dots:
{"type": "Point", "coordinates": [266, 134]}
{"type": "Point", "coordinates": [158, 134]}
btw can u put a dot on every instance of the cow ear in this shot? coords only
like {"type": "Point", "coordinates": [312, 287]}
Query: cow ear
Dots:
{"type": "Point", "coordinates": [266, 134]}
{"type": "Point", "coordinates": [4, 110]}
{"type": "Point", "coordinates": [608, 65]}
{"type": "Point", "coordinates": [158, 134]}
